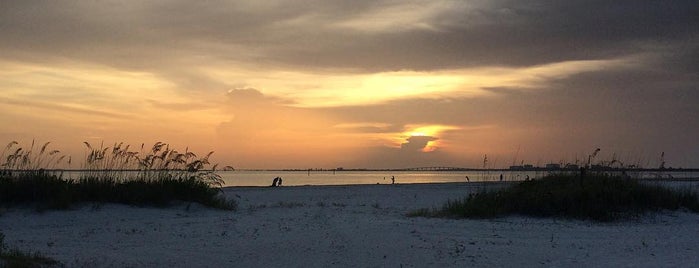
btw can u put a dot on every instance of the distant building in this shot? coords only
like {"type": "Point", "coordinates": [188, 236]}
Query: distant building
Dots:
{"type": "Point", "coordinates": [553, 166]}
{"type": "Point", "coordinates": [599, 167]}
{"type": "Point", "coordinates": [523, 167]}
{"type": "Point", "coordinates": [572, 166]}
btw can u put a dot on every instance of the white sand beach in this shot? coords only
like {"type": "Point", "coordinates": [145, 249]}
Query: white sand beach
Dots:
{"type": "Point", "coordinates": [343, 226]}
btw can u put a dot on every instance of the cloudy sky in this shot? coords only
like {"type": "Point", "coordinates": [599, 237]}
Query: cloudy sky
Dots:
{"type": "Point", "coordinates": [340, 83]}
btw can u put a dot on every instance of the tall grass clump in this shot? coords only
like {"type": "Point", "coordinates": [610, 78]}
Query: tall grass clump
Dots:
{"type": "Point", "coordinates": [29, 160]}
{"type": "Point", "coordinates": [156, 163]}
{"type": "Point", "coordinates": [596, 197]}
{"type": "Point", "coordinates": [157, 176]}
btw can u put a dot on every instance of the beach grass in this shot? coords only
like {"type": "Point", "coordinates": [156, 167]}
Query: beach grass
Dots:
{"type": "Point", "coordinates": [46, 191]}
{"type": "Point", "coordinates": [158, 176]}
{"type": "Point", "coordinates": [594, 197]}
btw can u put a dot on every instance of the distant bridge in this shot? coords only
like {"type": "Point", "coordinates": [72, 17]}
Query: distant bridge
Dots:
{"type": "Point", "coordinates": [435, 169]}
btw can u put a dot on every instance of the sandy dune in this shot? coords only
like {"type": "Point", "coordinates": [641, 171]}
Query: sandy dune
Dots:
{"type": "Point", "coordinates": [343, 226]}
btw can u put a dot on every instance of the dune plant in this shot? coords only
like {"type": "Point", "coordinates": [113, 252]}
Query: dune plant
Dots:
{"type": "Point", "coordinates": [32, 159]}
{"type": "Point", "coordinates": [156, 176]}
{"type": "Point", "coordinates": [159, 162]}
{"type": "Point", "coordinates": [599, 197]}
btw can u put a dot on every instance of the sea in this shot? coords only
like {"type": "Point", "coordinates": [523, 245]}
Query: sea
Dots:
{"type": "Point", "coordinates": [330, 177]}
{"type": "Point", "coordinates": [298, 178]}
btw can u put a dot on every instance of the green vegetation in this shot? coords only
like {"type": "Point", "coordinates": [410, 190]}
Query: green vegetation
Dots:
{"type": "Point", "coordinates": [12, 257]}
{"type": "Point", "coordinates": [156, 177]}
{"type": "Point", "coordinates": [596, 197]}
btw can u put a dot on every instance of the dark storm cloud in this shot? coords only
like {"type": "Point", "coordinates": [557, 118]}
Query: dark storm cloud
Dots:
{"type": "Point", "coordinates": [173, 35]}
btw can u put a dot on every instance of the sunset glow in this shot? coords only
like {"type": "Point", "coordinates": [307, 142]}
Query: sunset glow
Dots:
{"type": "Point", "coordinates": [388, 84]}
{"type": "Point", "coordinates": [430, 130]}
{"type": "Point", "coordinates": [349, 133]}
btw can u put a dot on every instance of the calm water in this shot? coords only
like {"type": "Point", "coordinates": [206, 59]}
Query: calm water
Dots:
{"type": "Point", "coordinates": [295, 178]}
{"type": "Point", "coordinates": [264, 178]}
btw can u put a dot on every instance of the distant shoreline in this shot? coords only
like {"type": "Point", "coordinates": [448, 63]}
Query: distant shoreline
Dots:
{"type": "Point", "coordinates": [447, 169]}
{"type": "Point", "coordinates": [417, 184]}
{"type": "Point", "coordinates": [422, 184]}
{"type": "Point", "coordinates": [421, 169]}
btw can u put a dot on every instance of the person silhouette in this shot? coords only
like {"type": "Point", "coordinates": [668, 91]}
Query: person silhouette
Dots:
{"type": "Point", "coordinates": [393, 180]}
{"type": "Point", "coordinates": [279, 183]}
{"type": "Point", "coordinates": [500, 176]}
{"type": "Point", "coordinates": [274, 182]}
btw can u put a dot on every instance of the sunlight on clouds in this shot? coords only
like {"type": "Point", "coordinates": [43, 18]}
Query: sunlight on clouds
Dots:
{"type": "Point", "coordinates": [375, 88]}
{"type": "Point", "coordinates": [363, 125]}
{"type": "Point", "coordinates": [565, 69]}
{"type": "Point", "coordinates": [269, 115]}
{"type": "Point", "coordinates": [403, 16]}
{"type": "Point", "coordinates": [396, 139]}
{"type": "Point", "coordinates": [78, 85]}
{"type": "Point", "coordinates": [427, 130]}
{"type": "Point", "coordinates": [298, 83]}
{"type": "Point", "coordinates": [334, 89]}
{"type": "Point", "coordinates": [97, 101]}
{"type": "Point", "coordinates": [434, 131]}
{"type": "Point", "coordinates": [381, 134]}
{"type": "Point", "coordinates": [431, 146]}
{"type": "Point", "coordinates": [306, 89]}
{"type": "Point", "coordinates": [96, 91]}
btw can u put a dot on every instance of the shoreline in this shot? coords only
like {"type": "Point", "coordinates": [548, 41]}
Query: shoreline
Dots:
{"type": "Point", "coordinates": [475, 183]}
{"type": "Point", "coordinates": [343, 226]}
{"type": "Point", "coordinates": [482, 183]}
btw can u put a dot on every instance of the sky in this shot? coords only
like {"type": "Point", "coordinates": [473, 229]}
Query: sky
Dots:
{"type": "Point", "coordinates": [355, 83]}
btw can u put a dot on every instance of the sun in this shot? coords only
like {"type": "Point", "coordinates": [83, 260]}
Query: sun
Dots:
{"type": "Point", "coordinates": [426, 130]}
{"type": "Point", "coordinates": [431, 146]}
{"type": "Point", "coordinates": [417, 133]}
{"type": "Point", "coordinates": [434, 131]}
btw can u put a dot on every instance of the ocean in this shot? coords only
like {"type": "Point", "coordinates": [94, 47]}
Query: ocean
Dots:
{"type": "Point", "coordinates": [314, 177]}
{"type": "Point", "coordinates": [296, 178]}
